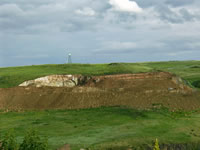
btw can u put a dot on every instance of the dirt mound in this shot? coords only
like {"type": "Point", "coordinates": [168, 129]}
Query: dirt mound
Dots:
{"type": "Point", "coordinates": [145, 90]}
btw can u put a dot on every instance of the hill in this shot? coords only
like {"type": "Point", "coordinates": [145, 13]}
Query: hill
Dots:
{"type": "Point", "coordinates": [126, 105]}
{"type": "Point", "coordinates": [141, 90]}
{"type": "Point", "coordinates": [13, 76]}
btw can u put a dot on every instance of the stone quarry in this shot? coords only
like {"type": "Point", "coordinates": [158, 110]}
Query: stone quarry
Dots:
{"type": "Point", "coordinates": [56, 81]}
{"type": "Point", "coordinates": [142, 90]}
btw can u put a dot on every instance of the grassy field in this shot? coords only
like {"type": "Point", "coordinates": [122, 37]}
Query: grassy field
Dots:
{"type": "Point", "coordinates": [13, 76]}
{"type": "Point", "coordinates": [104, 128]}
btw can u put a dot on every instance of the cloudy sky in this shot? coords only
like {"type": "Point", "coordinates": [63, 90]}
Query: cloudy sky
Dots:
{"type": "Point", "coordinates": [98, 31]}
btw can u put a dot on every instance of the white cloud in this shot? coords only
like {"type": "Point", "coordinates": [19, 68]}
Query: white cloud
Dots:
{"type": "Point", "coordinates": [125, 5]}
{"type": "Point", "coordinates": [85, 11]}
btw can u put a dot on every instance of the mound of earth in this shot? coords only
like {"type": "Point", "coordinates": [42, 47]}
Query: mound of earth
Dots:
{"type": "Point", "coordinates": [144, 90]}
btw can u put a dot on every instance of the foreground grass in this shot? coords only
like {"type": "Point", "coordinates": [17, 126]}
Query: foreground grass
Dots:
{"type": "Point", "coordinates": [103, 128]}
{"type": "Point", "coordinates": [13, 76]}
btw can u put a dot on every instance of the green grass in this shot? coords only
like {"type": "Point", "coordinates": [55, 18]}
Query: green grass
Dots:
{"type": "Point", "coordinates": [103, 128]}
{"type": "Point", "coordinates": [13, 76]}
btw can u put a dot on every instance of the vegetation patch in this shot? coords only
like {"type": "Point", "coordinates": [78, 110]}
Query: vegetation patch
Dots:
{"type": "Point", "coordinates": [196, 84]}
{"type": "Point", "coordinates": [106, 127]}
{"type": "Point", "coordinates": [195, 66]}
{"type": "Point", "coordinates": [31, 141]}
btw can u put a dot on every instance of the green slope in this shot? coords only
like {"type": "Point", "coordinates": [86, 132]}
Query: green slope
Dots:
{"type": "Point", "coordinates": [13, 76]}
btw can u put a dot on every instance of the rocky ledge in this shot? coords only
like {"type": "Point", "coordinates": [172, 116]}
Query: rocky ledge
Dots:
{"type": "Point", "coordinates": [56, 81]}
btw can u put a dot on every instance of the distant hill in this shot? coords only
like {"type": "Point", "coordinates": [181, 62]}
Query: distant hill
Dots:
{"type": "Point", "coordinates": [13, 76]}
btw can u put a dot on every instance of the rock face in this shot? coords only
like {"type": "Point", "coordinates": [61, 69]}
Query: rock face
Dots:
{"type": "Point", "coordinates": [56, 81]}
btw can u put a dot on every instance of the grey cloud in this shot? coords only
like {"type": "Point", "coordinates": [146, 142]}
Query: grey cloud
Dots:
{"type": "Point", "coordinates": [177, 3]}
{"type": "Point", "coordinates": [166, 14]}
{"type": "Point", "coordinates": [149, 3]}
{"type": "Point", "coordinates": [173, 3]}
{"type": "Point", "coordinates": [21, 16]}
{"type": "Point", "coordinates": [14, 18]}
{"type": "Point", "coordinates": [170, 15]}
{"type": "Point", "coordinates": [186, 15]}
{"type": "Point", "coordinates": [49, 29]}
{"type": "Point", "coordinates": [168, 10]}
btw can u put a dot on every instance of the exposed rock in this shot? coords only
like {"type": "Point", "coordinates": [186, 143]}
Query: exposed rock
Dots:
{"type": "Point", "coordinates": [28, 83]}
{"type": "Point", "coordinates": [177, 80]}
{"type": "Point", "coordinates": [56, 81]}
{"type": "Point", "coordinates": [182, 85]}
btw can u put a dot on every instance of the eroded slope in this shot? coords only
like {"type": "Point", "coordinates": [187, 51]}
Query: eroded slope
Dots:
{"type": "Point", "coordinates": [145, 90]}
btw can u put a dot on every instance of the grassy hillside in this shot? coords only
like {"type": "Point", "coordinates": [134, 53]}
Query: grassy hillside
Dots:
{"type": "Point", "coordinates": [104, 128]}
{"type": "Point", "coordinates": [188, 70]}
{"type": "Point", "coordinates": [13, 76]}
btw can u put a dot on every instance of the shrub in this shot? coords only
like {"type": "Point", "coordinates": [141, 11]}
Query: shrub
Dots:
{"type": "Point", "coordinates": [196, 84]}
{"type": "Point", "coordinates": [9, 142]}
{"type": "Point", "coordinates": [33, 142]}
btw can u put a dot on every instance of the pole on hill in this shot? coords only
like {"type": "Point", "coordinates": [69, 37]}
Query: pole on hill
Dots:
{"type": "Point", "coordinates": [69, 59]}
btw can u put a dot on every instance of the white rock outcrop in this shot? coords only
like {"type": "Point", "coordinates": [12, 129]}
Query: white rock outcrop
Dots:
{"type": "Point", "coordinates": [55, 81]}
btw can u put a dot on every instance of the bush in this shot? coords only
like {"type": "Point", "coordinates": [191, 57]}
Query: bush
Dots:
{"type": "Point", "coordinates": [196, 84]}
{"type": "Point", "coordinates": [9, 142]}
{"type": "Point", "coordinates": [33, 142]}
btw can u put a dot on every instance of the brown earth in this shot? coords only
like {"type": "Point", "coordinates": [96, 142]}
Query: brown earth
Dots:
{"type": "Point", "coordinates": [65, 147]}
{"type": "Point", "coordinates": [145, 90]}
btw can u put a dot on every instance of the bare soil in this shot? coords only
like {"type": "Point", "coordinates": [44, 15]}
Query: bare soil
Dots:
{"type": "Point", "coordinates": [141, 91]}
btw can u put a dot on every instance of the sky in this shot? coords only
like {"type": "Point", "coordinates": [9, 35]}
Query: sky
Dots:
{"type": "Point", "coordinates": [98, 31]}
